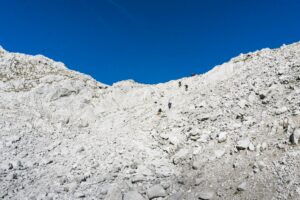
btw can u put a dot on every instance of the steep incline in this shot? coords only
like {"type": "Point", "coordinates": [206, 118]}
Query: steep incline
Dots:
{"type": "Point", "coordinates": [231, 133]}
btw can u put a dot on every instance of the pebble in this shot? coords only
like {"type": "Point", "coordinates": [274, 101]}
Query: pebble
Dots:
{"type": "Point", "coordinates": [295, 137]}
{"type": "Point", "coordinates": [103, 191]}
{"type": "Point", "coordinates": [80, 149]}
{"type": "Point", "coordinates": [281, 110]}
{"type": "Point", "coordinates": [114, 194]}
{"type": "Point", "coordinates": [176, 196]}
{"type": "Point", "coordinates": [10, 166]}
{"type": "Point", "coordinates": [180, 156]}
{"type": "Point", "coordinates": [197, 163]}
{"type": "Point", "coordinates": [242, 103]}
{"type": "Point", "coordinates": [251, 147]}
{"type": "Point", "coordinates": [243, 144]}
{"type": "Point", "coordinates": [198, 181]}
{"type": "Point", "coordinates": [206, 195]}
{"type": "Point", "coordinates": [219, 153]}
{"type": "Point", "coordinates": [242, 186]}
{"type": "Point", "coordinates": [222, 137]}
{"type": "Point", "coordinates": [264, 146]}
{"type": "Point", "coordinates": [79, 195]}
{"type": "Point", "coordinates": [261, 165]}
{"type": "Point", "coordinates": [13, 176]}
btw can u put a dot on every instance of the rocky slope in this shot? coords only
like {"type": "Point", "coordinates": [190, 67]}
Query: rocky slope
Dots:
{"type": "Point", "coordinates": [232, 133]}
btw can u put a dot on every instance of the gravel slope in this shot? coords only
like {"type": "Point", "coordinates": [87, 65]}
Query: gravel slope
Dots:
{"type": "Point", "coordinates": [232, 133]}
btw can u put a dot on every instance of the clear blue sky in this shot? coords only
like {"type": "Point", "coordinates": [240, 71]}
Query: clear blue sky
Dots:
{"type": "Point", "coordinates": [149, 41]}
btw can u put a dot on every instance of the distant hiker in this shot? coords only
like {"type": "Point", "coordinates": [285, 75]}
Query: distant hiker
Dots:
{"type": "Point", "coordinates": [159, 111]}
{"type": "Point", "coordinates": [186, 87]}
{"type": "Point", "coordinates": [169, 105]}
{"type": "Point", "coordinates": [179, 84]}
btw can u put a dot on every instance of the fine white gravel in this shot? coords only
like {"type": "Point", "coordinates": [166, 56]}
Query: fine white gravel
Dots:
{"type": "Point", "coordinates": [232, 133]}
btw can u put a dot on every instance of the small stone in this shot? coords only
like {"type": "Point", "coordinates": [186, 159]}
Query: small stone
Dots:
{"type": "Point", "coordinates": [103, 191]}
{"type": "Point", "coordinates": [79, 195]}
{"type": "Point", "coordinates": [174, 140]}
{"type": "Point", "coordinates": [156, 191]}
{"type": "Point", "coordinates": [114, 194]}
{"type": "Point", "coordinates": [206, 195]}
{"type": "Point", "coordinates": [80, 149]}
{"type": "Point", "coordinates": [262, 95]}
{"type": "Point", "coordinates": [13, 176]}
{"type": "Point", "coordinates": [204, 118]}
{"type": "Point", "coordinates": [264, 146]}
{"type": "Point", "coordinates": [204, 138]}
{"type": "Point", "coordinates": [176, 196]}
{"type": "Point", "coordinates": [133, 195]}
{"type": "Point", "coordinates": [295, 137]}
{"type": "Point", "coordinates": [280, 146]}
{"type": "Point", "coordinates": [243, 144]}
{"type": "Point", "coordinates": [222, 137]}
{"type": "Point", "coordinates": [242, 186]}
{"type": "Point", "coordinates": [180, 156]}
{"type": "Point", "coordinates": [197, 163]}
{"type": "Point", "coordinates": [165, 185]}
{"type": "Point", "coordinates": [10, 166]}
{"type": "Point", "coordinates": [281, 110]}
{"type": "Point", "coordinates": [138, 178]}
{"type": "Point", "coordinates": [219, 153]}
{"type": "Point", "coordinates": [242, 103]}
{"type": "Point", "coordinates": [198, 181]}
{"type": "Point", "coordinates": [261, 165]}
{"type": "Point", "coordinates": [72, 186]}
{"type": "Point", "coordinates": [47, 161]}
{"type": "Point", "coordinates": [251, 147]}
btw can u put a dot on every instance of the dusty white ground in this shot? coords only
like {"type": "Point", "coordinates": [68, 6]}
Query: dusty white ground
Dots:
{"type": "Point", "coordinates": [231, 133]}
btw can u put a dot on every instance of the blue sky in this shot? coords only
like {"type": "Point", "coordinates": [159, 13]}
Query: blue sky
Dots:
{"type": "Point", "coordinates": [150, 41]}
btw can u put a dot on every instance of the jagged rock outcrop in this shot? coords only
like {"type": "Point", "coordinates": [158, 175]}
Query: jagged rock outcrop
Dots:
{"type": "Point", "coordinates": [232, 133]}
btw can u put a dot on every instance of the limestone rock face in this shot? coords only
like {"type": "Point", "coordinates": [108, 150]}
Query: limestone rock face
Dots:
{"type": "Point", "coordinates": [232, 133]}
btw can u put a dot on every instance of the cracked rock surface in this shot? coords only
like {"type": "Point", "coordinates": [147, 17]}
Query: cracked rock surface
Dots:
{"type": "Point", "coordinates": [232, 133]}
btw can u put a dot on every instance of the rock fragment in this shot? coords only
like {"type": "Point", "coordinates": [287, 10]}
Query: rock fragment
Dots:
{"type": "Point", "coordinates": [242, 186]}
{"type": "Point", "coordinates": [242, 103]}
{"type": "Point", "coordinates": [222, 137]}
{"type": "Point", "coordinates": [295, 137]}
{"type": "Point", "coordinates": [180, 156]}
{"type": "Point", "coordinates": [243, 144]}
{"type": "Point", "coordinates": [79, 195]}
{"type": "Point", "coordinates": [219, 153]}
{"type": "Point", "coordinates": [177, 196]}
{"type": "Point", "coordinates": [251, 147]}
{"type": "Point", "coordinates": [80, 149]}
{"type": "Point", "coordinates": [264, 146]}
{"type": "Point", "coordinates": [114, 194]}
{"type": "Point", "coordinates": [10, 166]}
{"type": "Point", "coordinates": [206, 195]}
{"type": "Point", "coordinates": [156, 191]}
{"type": "Point", "coordinates": [281, 110]}
{"type": "Point", "coordinates": [133, 195]}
